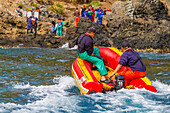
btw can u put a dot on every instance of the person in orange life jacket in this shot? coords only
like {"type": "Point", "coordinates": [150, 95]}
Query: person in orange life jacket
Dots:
{"type": "Point", "coordinates": [34, 26]}
{"type": "Point", "coordinates": [90, 54]}
{"type": "Point", "coordinates": [105, 10]}
{"type": "Point", "coordinates": [38, 10]}
{"type": "Point", "coordinates": [29, 24]}
{"type": "Point", "coordinates": [76, 16]}
{"type": "Point", "coordinates": [131, 59]}
{"type": "Point", "coordinates": [59, 27]}
{"type": "Point", "coordinates": [82, 11]}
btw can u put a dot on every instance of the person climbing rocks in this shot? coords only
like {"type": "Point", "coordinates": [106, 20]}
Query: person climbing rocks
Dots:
{"type": "Point", "coordinates": [134, 65]}
{"type": "Point", "coordinates": [87, 52]}
{"type": "Point", "coordinates": [29, 24]}
{"type": "Point", "coordinates": [77, 16]}
{"type": "Point", "coordinates": [99, 15]}
{"type": "Point", "coordinates": [59, 27]}
{"type": "Point", "coordinates": [34, 26]}
{"type": "Point", "coordinates": [82, 11]}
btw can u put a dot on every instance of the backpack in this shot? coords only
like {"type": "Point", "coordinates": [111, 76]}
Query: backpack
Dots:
{"type": "Point", "coordinates": [33, 22]}
{"type": "Point", "coordinates": [83, 9]}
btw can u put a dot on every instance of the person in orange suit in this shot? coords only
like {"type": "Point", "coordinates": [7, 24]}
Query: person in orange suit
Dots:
{"type": "Point", "coordinates": [77, 16]}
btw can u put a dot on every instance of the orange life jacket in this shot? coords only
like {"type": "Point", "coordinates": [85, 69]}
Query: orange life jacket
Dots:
{"type": "Point", "coordinates": [59, 22]}
{"type": "Point", "coordinates": [38, 10]}
{"type": "Point", "coordinates": [33, 22]}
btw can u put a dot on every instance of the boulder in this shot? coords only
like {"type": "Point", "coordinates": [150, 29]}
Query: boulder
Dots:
{"type": "Point", "coordinates": [100, 39]}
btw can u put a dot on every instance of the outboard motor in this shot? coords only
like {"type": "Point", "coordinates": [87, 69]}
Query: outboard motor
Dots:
{"type": "Point", "coordinates": [119, 82]}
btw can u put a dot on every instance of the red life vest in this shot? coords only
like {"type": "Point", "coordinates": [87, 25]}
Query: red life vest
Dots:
{"type": "Point", "coordinates": [33, 22]}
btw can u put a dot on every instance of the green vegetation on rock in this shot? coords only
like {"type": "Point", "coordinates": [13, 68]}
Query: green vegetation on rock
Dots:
{"type": "Point", "coordinates": [28, 8]}
{"type": "Point", "coordinates": [57, 8]}
{"type": "Point", "coordinates": [35, 5]}
{"type": "Point", "coordinates": [45, 1]}
{"type": "Point", "coordinates": [20, 4]}
{"type": "Point", "coordinates": [95, 3]}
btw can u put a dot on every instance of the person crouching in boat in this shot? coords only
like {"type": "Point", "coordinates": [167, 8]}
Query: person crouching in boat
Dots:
{"type": "Point", "coordinates": [134, 65]}
{"type": "Point", "coordinates": [90, 54]}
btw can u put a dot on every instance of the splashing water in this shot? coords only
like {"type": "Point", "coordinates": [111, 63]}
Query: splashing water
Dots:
{"type": "Point", "coordinates": [39, 80]}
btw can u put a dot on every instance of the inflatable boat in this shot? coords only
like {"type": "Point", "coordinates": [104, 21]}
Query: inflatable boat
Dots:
{"type": "Point", "coordinates": [88, 79]}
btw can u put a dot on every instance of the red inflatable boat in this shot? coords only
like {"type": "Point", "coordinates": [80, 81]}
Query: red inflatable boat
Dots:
{"type": "Point", "coordinates": [88, 79]}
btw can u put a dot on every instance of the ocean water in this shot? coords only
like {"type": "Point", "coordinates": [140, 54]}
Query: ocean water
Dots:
{"type": "Point", "coordinates": [35, 80]}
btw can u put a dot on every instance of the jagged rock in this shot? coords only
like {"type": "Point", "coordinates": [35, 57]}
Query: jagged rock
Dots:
{"type": "Point", "coordinates": [100, 39]}
{"type": "Point", "coordinates": [150, 9]}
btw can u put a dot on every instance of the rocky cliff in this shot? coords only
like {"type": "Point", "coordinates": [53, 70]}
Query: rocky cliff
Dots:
{"type": "Point", "coordinates": [144, 23]}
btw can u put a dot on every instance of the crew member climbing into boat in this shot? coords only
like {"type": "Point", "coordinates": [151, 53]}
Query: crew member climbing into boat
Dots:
{"type": "Point", "coordinates": [90, 54]}
{"type": "Point", "coordinates": [134, 65]}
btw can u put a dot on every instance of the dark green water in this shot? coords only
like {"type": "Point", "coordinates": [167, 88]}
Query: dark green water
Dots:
{"type": "Point", "coordinates": [39, 80]}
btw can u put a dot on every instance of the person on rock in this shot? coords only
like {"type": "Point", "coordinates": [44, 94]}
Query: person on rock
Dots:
{"type": "Point", "coordinates": [87, 52]}
{"type": "Point", "coordinates": [93, 14]}
{"type": "Point", "coordinates": [76, 16]}
{"type": "Point", "coordinates": [34, 26]}
{"type": "Point", "coordinates": [59, 27]}
{"type": "Point", "coordinates": [82, 11]}
{"type": "Point", "coordinates": [90, 13]}
{"type": "Point", "coordinates": [53, 29]}
{"type": "Point", "coordinates": [29, 24]}
{"type": "Point", "coordinates": [38, 10]}
{"type": "Point", "coordinates": [99, 15]}
{"type": "Point", "coordinates": [134, 65]}
{"type": "Point", "coordinates": [53, 21]}
{"type": "Point", "coordinates": [86, 13]}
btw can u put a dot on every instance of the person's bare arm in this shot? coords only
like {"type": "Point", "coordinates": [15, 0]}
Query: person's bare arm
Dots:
{"type": "Point", "coordinates": [116, 70]}
{"type": "Point", "coordinates": [80, 11]}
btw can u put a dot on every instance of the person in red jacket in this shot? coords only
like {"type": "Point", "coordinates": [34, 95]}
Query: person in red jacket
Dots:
{"type": "Point", "coordinates": [93, 15]}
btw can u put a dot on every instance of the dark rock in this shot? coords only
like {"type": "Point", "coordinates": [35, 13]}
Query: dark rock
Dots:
{"type": "Point", "coordinates": [100, 39]}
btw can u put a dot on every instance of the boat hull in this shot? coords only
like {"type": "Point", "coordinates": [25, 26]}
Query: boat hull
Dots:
{"type": "Point", "coordinates": [88, 79]}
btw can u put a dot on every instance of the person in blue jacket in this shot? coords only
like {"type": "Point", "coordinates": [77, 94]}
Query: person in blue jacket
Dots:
{"type": "Point", "coordinates": [86, 13]}
{"type": "Point", "coordinates": [99, 14]}
{"type": "Point", "coordinates": [29, 24]}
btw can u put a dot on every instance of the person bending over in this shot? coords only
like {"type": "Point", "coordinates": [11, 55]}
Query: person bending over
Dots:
{"type": "Point", "coordinates": [134, 65]}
